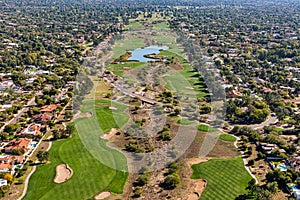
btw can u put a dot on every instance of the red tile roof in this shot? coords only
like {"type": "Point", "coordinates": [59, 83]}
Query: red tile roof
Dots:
{"type": "Point", "coordinates": [5, 166]}
{"type": "Point", "coordinates": [49, 108]}
{"type": "Point", "coordinates": [18, 144]}
{"type": "Point", "coordinates": [43, 117]}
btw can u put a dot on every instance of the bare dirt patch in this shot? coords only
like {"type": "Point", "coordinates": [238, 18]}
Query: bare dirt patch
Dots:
{"type": "Point", "coordinates": [224, 150]}
{"type": "Point", "coordinates": [102, 195]}
{"type": "Point", "coordinates": [132, 72]}
{"type": "Point", "coordinates": [63, 173]}
{"type": "Point", "coordinates": [176, 66]}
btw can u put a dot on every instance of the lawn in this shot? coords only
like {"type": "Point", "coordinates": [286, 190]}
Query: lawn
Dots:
{"type": "Point", "coordinates": [206, 128]}
{"type": "Point", "coordinates": [127, 44]}
{"type": "Point", "coordinates": [118, 69]}
{"type": "Point", "coordinates": [226, 178]}
{"type": "Point", "coordinates": [134, 25]}
{"type": "Point", "coordinates": [85, 153]}
{"type": "Point", "coordinates": [100, 89]}
{"type": "Point", "coordinates": [227, 138]}
{"type": "Point", "coordinates": [185, 121]}
{"type": "Point", "coordinates": [185, 82]}
{"type": "Point", "coordinates": [166, 38]}
{"type": "Point", "coordinates": [161, 26]}
{"type": "Point", "coordinates": [90, 176]}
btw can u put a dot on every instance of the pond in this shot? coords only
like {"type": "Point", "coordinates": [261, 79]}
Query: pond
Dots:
{"type": "Point", "coordinates": [138, 54]}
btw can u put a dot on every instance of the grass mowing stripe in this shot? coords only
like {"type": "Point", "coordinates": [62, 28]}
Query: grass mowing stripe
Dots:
{"type": "Point", "coordinates": [90, 176]}
{"type": "Point", "coordinates": [227, 178]}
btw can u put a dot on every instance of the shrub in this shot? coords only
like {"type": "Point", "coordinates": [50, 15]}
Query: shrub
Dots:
{"type": "Point", "coordinates": [171, 181]}
{"type": "Point", "coordinates": [251, 162]}
{"type": "Point", "coordinates": [142, 180]}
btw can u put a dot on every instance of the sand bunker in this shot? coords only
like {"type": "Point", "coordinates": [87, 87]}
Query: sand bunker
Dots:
{"type": "Point", "coordinates": [89, 114]}
{"type": "Point", "coordinates": [194, 161]}
{"type": "Point", "coordinates": [63, 173]}
{"type": "Point", "coordinates": [109, 135]}
{"type": "Point", "coordinates": [112, 108]}
{"type": "Point", "coordinates": [199, 186]}
{"type": "Point", "coordinates": [83, 115]}
{"type": "Point", "coordinates": [103, 195]}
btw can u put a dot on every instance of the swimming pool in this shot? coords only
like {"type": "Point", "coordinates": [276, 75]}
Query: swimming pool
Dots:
{"type": "Point", "coordinates": [294, 187]}
{"type": "Point", "coordinates": [282, 167]}
{"type": "Point", "coordinates": [33, 144]}
{"type": "Point", "coordinates": [16, 167]}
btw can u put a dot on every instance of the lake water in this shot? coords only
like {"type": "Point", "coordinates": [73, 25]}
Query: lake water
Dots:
{"type": "Point", "coordinates": [138, 54]}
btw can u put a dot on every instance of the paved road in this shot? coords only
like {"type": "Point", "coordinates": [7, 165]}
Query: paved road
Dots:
{"type": "Point", "coordinates": [243, 157]}
{"type": "Point", "coordinates": [19, 114]}
{"type": "Point", "coordinates": [130, 93]}
{"type": "Point", "coordinates": [26, 183]}
{"type": "Point", "coordinates": [270, 120]}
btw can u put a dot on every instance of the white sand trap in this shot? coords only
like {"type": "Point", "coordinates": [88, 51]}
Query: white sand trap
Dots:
{"type": "Point", "coordinates": [89, 114]}
{"type": "Point", "coordinates": [109, 135]}
{"type": "Point", "coordinates": [194, 161]}
{"type": "Point", "coordinates": [83, 115]}
{"type": "Point", "coordinates": [63, 173]}
{"type": "Point", "coordinates": [113, 108]}
{"type": "Point", "coordinates": [103, 195]}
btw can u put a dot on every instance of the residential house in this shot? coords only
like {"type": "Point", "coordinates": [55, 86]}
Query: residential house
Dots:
{"type": "Point", "coordinates": [268, 148]}
{"type": "Point", "coordinates": [42, 118]}
{"type": "Point", "coordinates": [18, 159]}
{"type": "Point", "coordinates": [266, 90]}
{"type": "Point", "coordinates": [49, 108]}
{"type": "Point", "coordinates": [4, 107]}
{"type": "Point", "coordinates": [13, 160]}
{"type": "Point", "coordinates": [5, 85]}
{"type": "Point", "coordinates": [5, 160]}
{"type": "Point", "coordinates": [17, 144]}
{"type": "Point", "coordinates": [32, 129]}
{"type": "Point", "coordinates": [6, 167]}
{"type": "Point", "coordinates": [234, 94]}
{"type": "Point", "coordinates": [294, 163]}
{"type": "Point", "coordinates": [296, 194]}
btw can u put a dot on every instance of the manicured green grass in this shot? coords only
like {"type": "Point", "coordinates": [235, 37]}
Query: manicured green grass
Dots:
{"type": "Point", "coordinates": [164, 39]}
{"type": "Point", "coordinates": [161, 26]}
{"type": "Point", "coordinates": [185, 121]}
{"type": "Point", "coordinates": [226, 178]}
{"type": "Point", "coordinates": [227, 138]}
{"type": "Point", "coordinates": [134, 25]}
{"type": "Point", "coordinates": [128, 44]}
{"type": "Point", "coordinates": [90, 176]}
{"type": "Point", "coordinates": [185, 82]}
{"type": "Point", "coordinates": [206, 128]}
{"type": "Point", "coordinates": [94, 164]}
{"type": "Point", "coordinates": [168, 40]}
{"type": "Point", "coordinates": [118, 69]}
